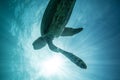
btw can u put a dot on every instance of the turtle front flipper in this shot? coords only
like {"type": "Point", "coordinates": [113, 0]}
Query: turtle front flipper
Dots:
{"type": "Point", "coordinates": [51, 45]}
{"type": "Point", "coordinates": [71, 31]}
{"type": "Point", "coordinates": [76, 60]}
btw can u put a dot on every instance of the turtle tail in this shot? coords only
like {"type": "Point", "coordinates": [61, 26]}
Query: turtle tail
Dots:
{"type": "Point", "coordinates": [76, 60]}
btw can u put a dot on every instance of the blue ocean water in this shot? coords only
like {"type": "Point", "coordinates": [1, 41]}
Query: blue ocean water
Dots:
{"type": "Point", "coordinates": [98, 44]}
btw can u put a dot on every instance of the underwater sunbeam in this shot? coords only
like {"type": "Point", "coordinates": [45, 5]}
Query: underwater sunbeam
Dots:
{"type": "Point", "coordinates": [51, 66]}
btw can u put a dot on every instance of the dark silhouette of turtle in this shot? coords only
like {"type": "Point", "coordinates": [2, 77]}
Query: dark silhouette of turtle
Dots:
{"type": "Point", "coordinates": [53, 25]}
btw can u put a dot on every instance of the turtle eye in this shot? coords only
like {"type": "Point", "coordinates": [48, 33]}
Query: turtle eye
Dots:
{"type": "Point", "coordinates": [39, 43]}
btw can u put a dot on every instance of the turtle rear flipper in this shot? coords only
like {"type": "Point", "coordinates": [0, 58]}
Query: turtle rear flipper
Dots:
{"type": "Point", "coordinates": [39, 43]}
{"type": "Point", "coordinates": [70, 31]}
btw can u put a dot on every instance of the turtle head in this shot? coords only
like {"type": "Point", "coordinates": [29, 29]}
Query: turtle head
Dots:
{"type": "Point", "coordinates": [39, 43]}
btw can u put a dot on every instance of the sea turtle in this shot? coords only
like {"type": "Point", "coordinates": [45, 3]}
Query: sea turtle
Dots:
{"type": "Point", "coordinates": [53, 25]}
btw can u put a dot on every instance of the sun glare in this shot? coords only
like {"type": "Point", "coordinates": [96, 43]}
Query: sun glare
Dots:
{"type": "Point", "coordinates": [52, 65]}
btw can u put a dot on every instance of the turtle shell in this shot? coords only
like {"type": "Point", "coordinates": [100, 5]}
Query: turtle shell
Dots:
{"type": "Point", "coordinates": [56, 17]}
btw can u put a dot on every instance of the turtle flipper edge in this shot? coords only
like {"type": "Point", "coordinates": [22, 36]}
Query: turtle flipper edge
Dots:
{"type": "Point", "coordinates": [71, 31]}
